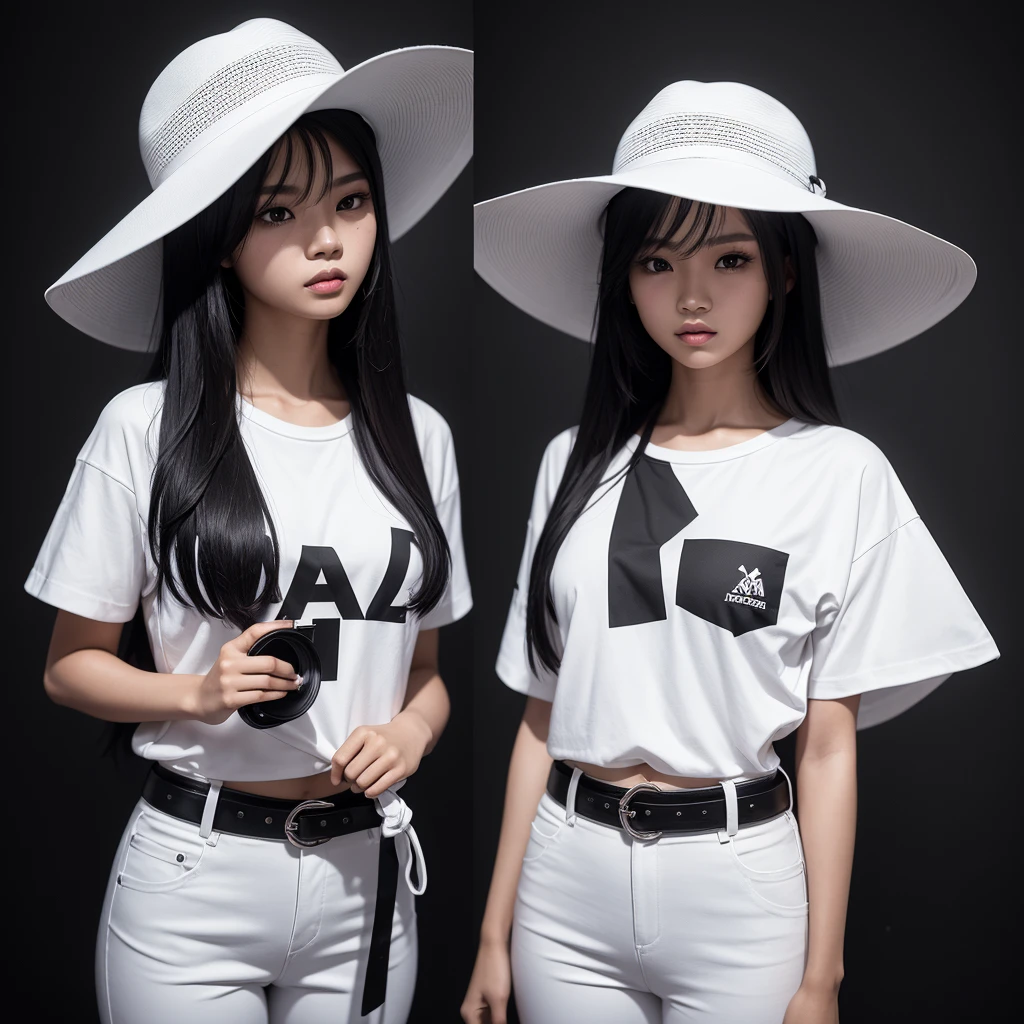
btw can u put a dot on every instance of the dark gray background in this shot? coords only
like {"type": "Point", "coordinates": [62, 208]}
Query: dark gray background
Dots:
{"type": "Point", "coordinates": [76, 171]}
{"type": "Point", "coordinates": [909, 110]}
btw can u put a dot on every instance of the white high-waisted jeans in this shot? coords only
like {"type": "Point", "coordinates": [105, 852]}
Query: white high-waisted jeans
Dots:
{"type": "Point", "coordinates": [701, 929]}
{"type": "Point", "coordinates": [193, 931]}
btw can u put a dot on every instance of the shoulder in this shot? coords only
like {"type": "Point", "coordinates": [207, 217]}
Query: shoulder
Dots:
{"type": "Point", "coordinates": [853, 470]}
{"type": "Point", "coordinates": [555, 457]}
{"type": "Point", "coordinates": [437, 448]}
{"type": "Point", "coordinates": [126, 432]}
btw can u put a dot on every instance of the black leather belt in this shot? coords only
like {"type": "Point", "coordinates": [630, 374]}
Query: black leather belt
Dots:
{"type": "Point", "coordinates": [646, 811]}
{"type": "Point", "coordinates": [303, 823]}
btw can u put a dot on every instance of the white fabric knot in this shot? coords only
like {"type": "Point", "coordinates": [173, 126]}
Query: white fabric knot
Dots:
{"type": "Point", "coordinates": [397, 815]}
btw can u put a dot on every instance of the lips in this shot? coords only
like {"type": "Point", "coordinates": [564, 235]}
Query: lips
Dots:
{"type": "Point", "coordinates": [697, 333]}
{"type": "Point", "coordinates": [326, 282]}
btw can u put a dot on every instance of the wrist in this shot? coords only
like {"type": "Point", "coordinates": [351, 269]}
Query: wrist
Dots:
{"type": "Point", "coordinates": [417, 726]}
{"type": "Point", "coordinates": [188, 698]}
{"type": "Point", "coordinates": [827, 981]}
{"type": "Point", "coordinates": [494, 935]}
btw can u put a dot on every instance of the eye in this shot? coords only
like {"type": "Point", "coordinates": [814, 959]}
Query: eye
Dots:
{"type": "Point", "coordinates": [353, 201]}
{"type": "Point", "coordinates": [276, 215]}
{"type": "Point", "coordinates": [655, 265]}
{"type": "Point", "coordinates": [734, 260]}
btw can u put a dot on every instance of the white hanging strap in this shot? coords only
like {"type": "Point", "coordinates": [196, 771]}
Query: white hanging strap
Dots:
{"type": "Point", "coordinates": [570, 797]}
{"type": "Point", "coordinates": [790, 781]}
{"type": "Point", "coordinates": [397, 815]}
{"type": "Point", "coordinates": [209, 810]}
{"type": "Point", "coordinates": [732, 816]}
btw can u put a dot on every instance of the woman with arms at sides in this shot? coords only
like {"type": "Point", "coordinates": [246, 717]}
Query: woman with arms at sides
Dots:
{"type": "Point", "coordinates": [711, 563]}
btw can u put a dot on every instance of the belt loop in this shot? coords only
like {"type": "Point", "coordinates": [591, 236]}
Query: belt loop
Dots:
{"type": "Point", "coordinates": [783, 770]}
{"type": "Point", "coordinates": [209, 810]}
{"type": "Point", "coordinates": [570, 797]}
{"type": "Point", "coordinates": [731, 811]}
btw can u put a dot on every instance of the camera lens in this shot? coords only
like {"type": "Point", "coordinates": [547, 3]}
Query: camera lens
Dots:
{"type": "Point", "coordinates": [296, 648]}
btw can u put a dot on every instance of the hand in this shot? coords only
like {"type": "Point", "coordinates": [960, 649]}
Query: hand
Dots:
{"type": "Point", "coordinates": [236, 679]}
{"type": "Point", "coordinates": [486, 999]}
{"type": "Point", "coordinates": [813, 1005]}
{"type": "Point", "coordinates": [375, 757]}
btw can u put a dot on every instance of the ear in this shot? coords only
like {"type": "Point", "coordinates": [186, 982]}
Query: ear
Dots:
{"type": "Point", "coordinates": [227, 263]}
{"type": "Point", "coordinates": [790, 276]}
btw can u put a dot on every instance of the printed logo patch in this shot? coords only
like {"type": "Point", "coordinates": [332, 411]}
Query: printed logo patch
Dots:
{"type": "Point", "coordinates": [707, 585]}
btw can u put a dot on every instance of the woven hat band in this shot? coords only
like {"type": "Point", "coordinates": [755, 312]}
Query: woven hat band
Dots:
{"type": "Point", "coordinates": [229, 88]}
{"type": "Point", "coordinates": [656, 140]}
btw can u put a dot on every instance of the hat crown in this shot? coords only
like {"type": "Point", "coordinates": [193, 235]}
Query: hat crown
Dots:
{"type": "Point", "coordinates": [214, 77]}
{"type": "Point", "coordinates": [718, 120]}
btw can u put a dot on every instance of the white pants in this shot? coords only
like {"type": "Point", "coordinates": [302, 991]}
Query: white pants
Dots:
{"type": "Point", "coordinates": [702, 928]}
{"type": "Point", "coordinates": [193, 931]}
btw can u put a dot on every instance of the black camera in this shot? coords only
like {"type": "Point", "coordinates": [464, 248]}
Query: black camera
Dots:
{"type": "Point", "coordinates": [295, 646]}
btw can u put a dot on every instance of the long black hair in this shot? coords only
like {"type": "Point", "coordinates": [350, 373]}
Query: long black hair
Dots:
{"type": "Point", "coordinates": [630, 373]}
{"type": "Point", "coordinates": [204, 485]}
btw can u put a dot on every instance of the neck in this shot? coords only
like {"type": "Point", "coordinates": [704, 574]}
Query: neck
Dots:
{"type": "Point", "coordinates": [281, 354]}
{"type": "Point", "coordinates": [724, 395]}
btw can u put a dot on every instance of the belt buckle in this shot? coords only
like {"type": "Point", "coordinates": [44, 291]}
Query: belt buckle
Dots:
{"type": "Point", "coordinates": [626, 812]}
{"type": "Point", "coordinates": [291, 826]}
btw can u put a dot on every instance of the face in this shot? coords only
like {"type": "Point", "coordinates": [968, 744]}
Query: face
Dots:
{"type": "Point", "coordinates": [292, 245]}
{"type": "Point", "coordinates": [705, 308]}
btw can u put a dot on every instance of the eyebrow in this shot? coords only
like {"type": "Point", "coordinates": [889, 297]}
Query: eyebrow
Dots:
{"type": "Point", "coordinates": [738, 236]}
{"type": "Point", "coordinates": [294, 189]}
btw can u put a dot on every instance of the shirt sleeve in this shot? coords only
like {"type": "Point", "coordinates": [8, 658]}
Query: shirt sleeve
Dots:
{"type": "Point", "coordinates": [513, 664]}
{"type": "Point", "coordinates": [92, 561]}
{"type": "Point", "coordinates": [457, 598]}
{"type": "Point", "coordinates": [904, 624]}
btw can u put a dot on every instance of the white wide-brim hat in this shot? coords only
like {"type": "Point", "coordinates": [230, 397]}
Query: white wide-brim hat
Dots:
{"type": "Point", "coordinates": [882, 281]}
{"type": "Point", "coordinates": [219, 106]}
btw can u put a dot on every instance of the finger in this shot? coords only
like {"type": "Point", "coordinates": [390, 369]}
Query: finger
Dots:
{"type": "Point", "coordinates": [268, 665]}
{"type": "Point", "coordinates": [264, 682]}
{"type": "Point", "coordinates": [370, 752]}
{"type": "Point", "coordinates": [345, 753]}
{"type": "Point", "coordinates": [246, 697]}
{"type": "Point", "coordinates": [386, 781]}
{"type": "Point", "coordinates": [258, 629]}
{"type": "Point", "coordinates": [350, 747]}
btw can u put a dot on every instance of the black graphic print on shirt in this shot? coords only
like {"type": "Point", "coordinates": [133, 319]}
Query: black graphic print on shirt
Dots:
{"type": "Point", "coordinates": [652, 509]}
{"type": "Point", "coordinates": [733, 584]}
{"type": "Point", "coordinates": [336, 589]}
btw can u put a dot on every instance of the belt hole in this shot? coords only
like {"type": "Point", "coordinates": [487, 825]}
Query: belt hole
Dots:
{"type": "Point", "coordinates": [679, 814]}
{"type": "Point", "coordinates": [703, 812]}
{"type": "Point", "coordinates": [647, 812]}
{"type": "Point", "coordinates": [241, 814]}
{"type": "Point", "coordinates": [590, 799]}
{"type": "Point", "coordinates": [606, 805]}
{"type": "Point", "coordinates": [344, 821]}
{"type": "Point", "coordinates": [751, 805]}
{"type": "Point", "coordinates": [269, 821]}
{"type": "Point", "coordinates": [323, 823]}
{"type": "Point", "coordinates": [170, 796]}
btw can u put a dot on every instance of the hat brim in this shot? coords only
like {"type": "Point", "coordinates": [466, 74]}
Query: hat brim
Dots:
{"type": "Point", "coordinates": [882, 281]}
{"type": "Point", "coordinates": [419, 102]}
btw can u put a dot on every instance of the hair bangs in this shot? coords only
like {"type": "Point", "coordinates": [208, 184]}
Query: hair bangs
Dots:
{"type": "Point", "coordinates": [670, 215]}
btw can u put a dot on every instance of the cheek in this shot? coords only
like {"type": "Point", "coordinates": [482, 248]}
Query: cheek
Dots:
{"type": "Point", "coordinates": [260, 257]}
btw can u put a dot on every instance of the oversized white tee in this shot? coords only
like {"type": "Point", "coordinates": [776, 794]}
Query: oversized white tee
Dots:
{"type": "Point", "coordinates": [343, 550]}
{"type": "Point", "coordinates": [702, 598]}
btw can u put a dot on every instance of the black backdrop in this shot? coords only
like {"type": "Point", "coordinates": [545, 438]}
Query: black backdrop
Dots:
{"type": "Point", "coordinates": [909, 113]}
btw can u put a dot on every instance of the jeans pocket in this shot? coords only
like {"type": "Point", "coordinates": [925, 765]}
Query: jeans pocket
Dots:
{"type": "Point", "coordinates": [769, 856]}
{"type": "Point", "coordinates": [163, 853]}
{"type": "Point", "coordinates": [545, 829]}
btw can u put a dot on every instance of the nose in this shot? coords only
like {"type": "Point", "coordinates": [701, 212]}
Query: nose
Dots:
{"type": "Point", "coordinates": [325, 244]}
{"type": "Point", "coordinates": [694, 296]}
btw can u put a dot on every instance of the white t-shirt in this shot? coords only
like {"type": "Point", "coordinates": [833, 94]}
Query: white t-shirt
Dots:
{"type": "Point", "coordinates": [338, 538]}
{"type": "Point", "coordinates": [704, 598]}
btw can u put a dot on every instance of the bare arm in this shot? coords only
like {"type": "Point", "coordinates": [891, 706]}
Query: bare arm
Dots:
{"type": "Point", "coordinates": [489, 988]}
{"type": "Point", "coordinates": [826, 759]}
{"type": "Point", "coordinates": [84, 672]}
{"type": "Point", "coordinates": [375, 757]}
